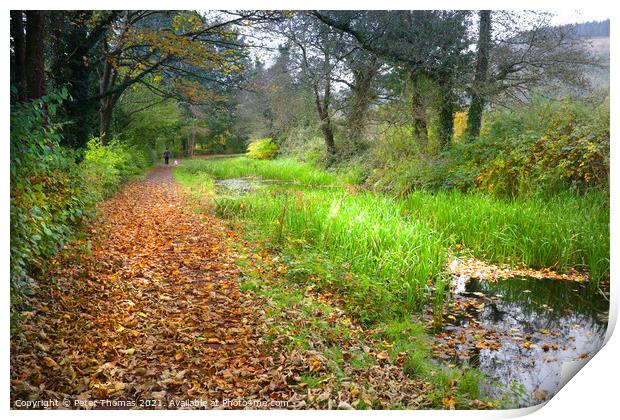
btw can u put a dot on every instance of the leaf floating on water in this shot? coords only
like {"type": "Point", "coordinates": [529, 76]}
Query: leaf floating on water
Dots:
{"type": "Point", "coordinates": [540, 395]}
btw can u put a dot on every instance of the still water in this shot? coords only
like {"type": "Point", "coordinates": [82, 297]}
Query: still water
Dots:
{"type": "Point", "coordinates": [520, 331]}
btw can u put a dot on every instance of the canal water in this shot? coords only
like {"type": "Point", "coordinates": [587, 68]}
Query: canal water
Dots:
{"type": "Point", "coordinates": [520, 332]}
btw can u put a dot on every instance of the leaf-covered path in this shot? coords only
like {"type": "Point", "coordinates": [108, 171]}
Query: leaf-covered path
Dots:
{"type": "Point", "coordinates": [154, 317]}
{"type": "Point", "coordinates": [156, 313]}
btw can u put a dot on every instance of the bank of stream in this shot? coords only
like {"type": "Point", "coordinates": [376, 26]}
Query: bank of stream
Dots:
{"type": "Point", "coordinates": [519, 332]}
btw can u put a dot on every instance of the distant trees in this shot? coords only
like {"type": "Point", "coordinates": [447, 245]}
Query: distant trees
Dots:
{"type": "Point", "coordinates": [98, 55]}
{"type": "Point", "coordinates": [317, 51]}
{"type": "Point", "coordinates": [184, 49]}
{"type": "Point", "coordinates": [591, 29]}
{"type": "Point", "coordinates": [528, 53]}
{"type": "Point", "coordinates": [274, 102]}
{"type": "Point", "coordinates": [520, 52]}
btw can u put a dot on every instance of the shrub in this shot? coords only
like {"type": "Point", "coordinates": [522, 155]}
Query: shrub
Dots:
{"type": "Point", "coordinates": [49, 197]}
{"type": "Point", "coordinates": [105, 168]}
{"type": "Point", "coordinates": [50, 193]}
{"type": "Point", "coordinates": [541, 147]}
{"type": "Point", "coordinates": [263, 148]}
{"type": "Point", "coordinates": [305, 145]}
{"type": "Point", "coordinates": [570, 152]}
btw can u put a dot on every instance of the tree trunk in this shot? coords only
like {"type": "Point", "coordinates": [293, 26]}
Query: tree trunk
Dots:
{"type": "Point", "coordinates": [418, 110]}
{"type": "Point", "coordinates": [70, 65]}
{"type": "Point", "coordinates": [322, 108]}
{"type": "Point", "coordinates": [106, 83]}
{"type": "Point", "coordinates": [35, 59]}
{"type": "Point", "coordinates": [474, 117]}
{"type": "Point", "coordinates": [446, 113]}
{"type": "Point", "coordinates": [105, 120]}
{"type": "Point", "coordinates": [363, 94]}
{"type": "Point", "coordinates": [328, 136]}
{"type": "Point", "coordinates": [18, 62]}
{"type": "Point", "coordinates": [192, 140]}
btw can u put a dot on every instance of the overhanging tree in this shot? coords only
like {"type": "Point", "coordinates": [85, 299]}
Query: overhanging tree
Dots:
{"type": "Point", "coordinates": [434, 44]}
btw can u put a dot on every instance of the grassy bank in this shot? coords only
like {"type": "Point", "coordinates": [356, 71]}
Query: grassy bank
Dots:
{"type": "Point", "coordinates": [281, 169]}
{"type": "Point", "coordinates": [561, 232]}
{"type": "Point", "coordinates": [383, 258]}
{"type": "Point", "coordinates": [401, 244]}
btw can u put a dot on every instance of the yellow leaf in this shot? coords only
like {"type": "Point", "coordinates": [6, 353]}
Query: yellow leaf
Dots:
{"type": "Point", "coordinates": [448, 403]}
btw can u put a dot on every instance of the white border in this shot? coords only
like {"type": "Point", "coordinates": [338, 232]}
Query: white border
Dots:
{"type": "Point", "coordinates": [591, 394]}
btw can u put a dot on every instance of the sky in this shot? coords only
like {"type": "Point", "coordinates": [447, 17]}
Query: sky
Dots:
{"type": "Point", "coordinates": [578, 16]}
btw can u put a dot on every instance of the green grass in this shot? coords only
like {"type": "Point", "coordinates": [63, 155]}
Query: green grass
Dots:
{"type": "Point", "coordinates": [387, 255]}
{"type": "Point", "coordinates": [238, 167]}
{"type": "Point", "coordinates": [308, 330]}
{"type": "Point", "coordinates": [561, 232]}
{"type": "Point", "coordinates": [411, 339]}
{"type": "Point", "coordinates": [391, 261]}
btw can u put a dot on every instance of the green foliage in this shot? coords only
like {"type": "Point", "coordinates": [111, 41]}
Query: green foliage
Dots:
{"type": "Point", "coordinates": [49, 197]}
{"type": "Point", "coordinates": [541, 147]}
{"type": "Point", "coordinates": [398, 247]}
{"type": "Point", "coordinates": [263, 148]}
{"type": "Point", "coordinates": [50, 193]}
{"type": "Point", "coordinates": [573, 152]}
{"type": "Point", "coordinates": [561, 232]}
{"type": "Point", "coordinates": [400, 163]}
{"type": "Point", "coordinates": [305, 144]}
{"type": "Point", "coordinates": [153, 128]}
{"type": "Point", "coordinates": [105, 168]}
{"type": "Point", "coordinates": [393, 262]}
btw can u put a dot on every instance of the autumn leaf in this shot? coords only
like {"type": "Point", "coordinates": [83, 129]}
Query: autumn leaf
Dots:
{"type": "Point", "coordinates": [449, 403]}
{"type": "Point", "coordinates": [315, 364]}
{"type": "Point", "coordinates": [49, 362]}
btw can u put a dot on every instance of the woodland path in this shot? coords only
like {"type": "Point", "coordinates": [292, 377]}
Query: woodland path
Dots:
{"type": "Point", "coordinates": [154, 317]}
{"type": "Point", "coordinates": [155, 313]}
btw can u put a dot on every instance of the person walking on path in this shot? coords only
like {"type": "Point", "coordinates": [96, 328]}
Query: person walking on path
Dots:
{"type": "Point", "coordinates": [166, 155]}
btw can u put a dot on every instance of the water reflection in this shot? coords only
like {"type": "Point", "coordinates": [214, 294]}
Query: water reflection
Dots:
{"type": "Point", "coordinates": [521, 331]}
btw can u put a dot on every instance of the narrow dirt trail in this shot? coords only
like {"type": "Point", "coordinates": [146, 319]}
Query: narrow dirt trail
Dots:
{"type": "Point", "coordinates": [154, 314]}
